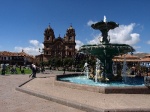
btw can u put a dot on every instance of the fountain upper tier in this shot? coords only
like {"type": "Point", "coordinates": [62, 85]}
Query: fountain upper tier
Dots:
{"type": "Point", "coordinates": [106, 50]}
{"type": "Point", "coordinates": [104, 27]}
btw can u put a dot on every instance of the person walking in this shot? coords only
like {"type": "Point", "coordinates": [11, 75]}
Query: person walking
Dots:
{"type": "Point", "coordinates": [34, 69]}
{"type": "Point", "coordinates": [3, 69]}
{"type": "Point", "coordinates": [50, 68]}
{"type": "Point", "coordinates": [64, 69]}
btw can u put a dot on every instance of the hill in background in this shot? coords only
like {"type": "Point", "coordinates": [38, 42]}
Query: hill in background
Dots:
{"type": "Point", "coordinates": [141, 55]}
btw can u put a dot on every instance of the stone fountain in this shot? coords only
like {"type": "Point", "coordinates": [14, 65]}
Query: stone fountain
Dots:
{"type": "Point", "coordinates": [105, 51]}
{"type": "Point", "coordinates": [106, 78]}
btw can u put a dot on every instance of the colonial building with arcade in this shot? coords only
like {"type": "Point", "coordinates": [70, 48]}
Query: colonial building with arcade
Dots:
{"type": "Point", "coordinates": [16, 58]}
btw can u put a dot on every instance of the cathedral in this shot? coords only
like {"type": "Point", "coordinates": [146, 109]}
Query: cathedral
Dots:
{"type": "Point", "coordinates": [59, 47]}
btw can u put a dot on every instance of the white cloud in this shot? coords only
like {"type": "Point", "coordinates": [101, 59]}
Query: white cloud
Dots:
{"type": "Point", "coordinates": [34, 42]}
{"type": "Point", "coordinates": [122, 35]}
{"type": "Point", "coordinates": [96, 39]}
{"type": "Point", "coordinates": [148, 42]}
{"type": "Point", "coordinates": [33, 49]}
{"type": "Point", "coordinates": [78, 44]}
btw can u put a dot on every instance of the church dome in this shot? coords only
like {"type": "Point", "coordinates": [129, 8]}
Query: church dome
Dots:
{"type": "Point", "coordinates": [49, 31]}
{"type": "Point", "coordinates": [49, 27]}
{"type": "Point", "coordinates": [70, 28]}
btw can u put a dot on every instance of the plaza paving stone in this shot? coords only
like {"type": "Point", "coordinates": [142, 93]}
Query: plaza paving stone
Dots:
{"type": "Point", "coordinates": [16, 101]}
{"type": "Point", "coordinates": [101, 102]}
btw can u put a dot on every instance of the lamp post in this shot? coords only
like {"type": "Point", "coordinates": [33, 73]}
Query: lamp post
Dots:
{"type": "Point", "coordinates": [41, 51]}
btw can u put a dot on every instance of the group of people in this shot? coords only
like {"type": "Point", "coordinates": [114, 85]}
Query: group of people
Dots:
{"type": "Point", "coordinates": [12, 69]}
{"type": "Point", "coordinates": [35, 69]}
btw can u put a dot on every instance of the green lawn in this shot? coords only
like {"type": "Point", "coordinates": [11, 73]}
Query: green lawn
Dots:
{"type": "Point", "coordinates": [26, 71]}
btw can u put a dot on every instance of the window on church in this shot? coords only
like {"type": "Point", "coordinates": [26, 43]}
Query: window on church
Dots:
{"type": "Point", "coordinates": [48, 38]}
{"type": "Point", "coordinates": [65, 47]}
{"type": "Point", "coordinates": [70, 38]}
{"type": "Point", "coordinates": [69, 53]}
{"type": "Point", "coordinates": [70, 47]}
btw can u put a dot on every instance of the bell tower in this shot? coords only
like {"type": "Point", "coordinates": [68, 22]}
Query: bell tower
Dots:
{"type": "Point", "coordinates": [49, 34]}
{"type": "Point", "coordinates": [70, 35]}
{"type": "Point", "coordinates": [49, 38]}
{"type": "Point", "coordinates": [70, 42]}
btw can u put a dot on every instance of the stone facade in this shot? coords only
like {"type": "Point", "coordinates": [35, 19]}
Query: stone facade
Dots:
{"type": "Point", "coordinates": [58, 47]}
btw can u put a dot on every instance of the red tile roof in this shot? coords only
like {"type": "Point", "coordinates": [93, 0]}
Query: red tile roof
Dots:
{"type": "Point", "coordinates": [128, 57]}
{"type": "Point", "coordinates": [6, 53]}
{"type": "Point", "coordinates": [146, 58]}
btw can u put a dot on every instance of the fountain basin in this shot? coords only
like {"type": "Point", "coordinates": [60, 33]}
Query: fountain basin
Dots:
{"type": "Point", "coordinates": [107, 89]}
{"type": "Point", "coordinates": [105, 53]}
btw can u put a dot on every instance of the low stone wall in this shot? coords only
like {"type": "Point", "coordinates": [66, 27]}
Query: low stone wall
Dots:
{"type": "Point", "coordinates": [128, 90]}
{"type": "Point", "coordinates": [101, 89]}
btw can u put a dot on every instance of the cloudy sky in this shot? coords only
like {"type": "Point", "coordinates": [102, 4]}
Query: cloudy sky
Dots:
{"type": "Point", "coordinates": [23, 22]}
